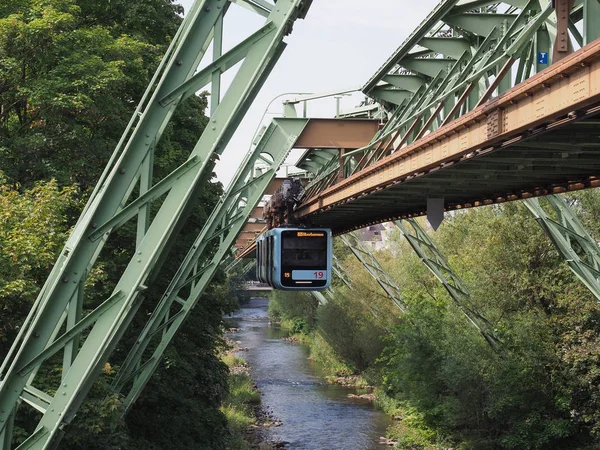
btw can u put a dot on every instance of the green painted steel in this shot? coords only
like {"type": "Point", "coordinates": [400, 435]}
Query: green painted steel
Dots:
{"type": "Point", "coordinates": [436, 262]}
{"type": "Point", "coordinates": [370, 262]}
{"type": "Point", "coordinates": [341, 274]}
{"type": "Point", "coordinates": [591, 22]}
{"type": "Point", "coordinates": [226, 222]}
{"type": "Point", "coordinates": [55, 321]}
{"type": "Point", "coordinates": [319, 297]}
{"type": "Point", "coordinates": [569, 236]}
{"type": "Point", "coordinates": [463, 54]}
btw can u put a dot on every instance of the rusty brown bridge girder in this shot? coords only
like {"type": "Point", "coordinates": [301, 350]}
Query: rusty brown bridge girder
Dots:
{"type": "Point", "coordinates": [503, 150]}
{"type": "Point", "coordinates": [337, 133]}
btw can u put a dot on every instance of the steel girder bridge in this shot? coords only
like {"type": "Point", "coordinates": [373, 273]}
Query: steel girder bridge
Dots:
{"type": "Point", "coordinates": [485, 102]}
{"type": "Point", "coordinates": [468, 115]}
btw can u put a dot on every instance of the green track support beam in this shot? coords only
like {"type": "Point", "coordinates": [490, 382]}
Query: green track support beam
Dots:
{"type": "Point", "coordinates": [54, 320]}
{"type": "Point", "coordinates": [339, 272]}
{"type": "Point", "coordinates": [247, 267]}
{"type": "Point", "coordinates": [319, 297]}
{"type": "Point", "coordinates": [435, 261]}
{"type": "Point", "coordinates": [569, 236]}
{"type": "Point", "coordinates": [591, 21]}
{"type": "Point", "coordinates": [365, 256]}
{"type": "Point", "coordinates": [226, 222]}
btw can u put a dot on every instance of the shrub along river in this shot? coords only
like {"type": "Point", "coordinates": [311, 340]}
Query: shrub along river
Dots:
{"type": "Point", "coordinates": [314, 414]}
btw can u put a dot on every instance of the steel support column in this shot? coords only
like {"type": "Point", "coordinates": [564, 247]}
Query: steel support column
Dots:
{"type": "Point", "coordinates": [435, 261]}
{"type": "Point", "coordinates": [591, 21]}
{"type": "Point", "coordinates": [569, 236]}
{"type": "Point", "coordinates": [365, 256]}
{"type": "Point", "coordinates": [176, 79]}
{"type": "Point", "coordinates": [226, 222]}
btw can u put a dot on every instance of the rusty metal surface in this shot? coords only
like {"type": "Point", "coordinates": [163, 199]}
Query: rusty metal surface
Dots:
{"type": "Point", "coordinates": [247, 251]}
{"type": "Point", "coordinates": [557, 103]}
{"type": "Point", "coordinates": [337, 133]}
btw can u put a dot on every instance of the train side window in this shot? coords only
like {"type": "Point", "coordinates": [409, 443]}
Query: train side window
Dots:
{"type": "Point", "coordinates": [268, 259]}
{"type": "Point", "coordinates": [262, 261]}
{"type": "Point", "coordinates": [271, 256]}
{"type": "Point", "coordinates": [259, 260]}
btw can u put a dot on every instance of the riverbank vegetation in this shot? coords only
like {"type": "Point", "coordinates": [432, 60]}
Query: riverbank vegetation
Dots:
{"type": "Point", "coordinates": [71, 74]}
{"type": "Point", "coordinates": [446, 386]}
{"type": "Point", "coordinates": [242, 402]}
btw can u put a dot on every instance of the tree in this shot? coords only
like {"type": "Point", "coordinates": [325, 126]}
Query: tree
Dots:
{"type": "Point", "coordinates": [71, 75]}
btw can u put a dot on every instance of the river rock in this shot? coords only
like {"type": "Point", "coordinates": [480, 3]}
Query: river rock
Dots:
{"type": "Point", "coordinates": [271, 445]}
{"type": "Point", "coordinates": [369, 397]}
{"type": "Point", "coordinates": [385, 441]}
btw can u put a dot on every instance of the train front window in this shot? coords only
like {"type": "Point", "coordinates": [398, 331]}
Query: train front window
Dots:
{"type": "Point", "coordinates": [304, 249]}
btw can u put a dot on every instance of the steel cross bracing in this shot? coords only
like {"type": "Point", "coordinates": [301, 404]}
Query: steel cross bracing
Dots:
{"type": "Point", "coordinates": [370, 262]}
{"type": "Point", "coordinates": [464, 53]}
{"type": "Point", "coordinates": [436, 262]}
{"type": "Point", "coordinates": [227, 220]}
{"type": "Point", "coordinates": [56, 322]}
{"type": "Point", "coordinates": [569, 236]}
{"type": "Point", "coordinates": [339, 272]}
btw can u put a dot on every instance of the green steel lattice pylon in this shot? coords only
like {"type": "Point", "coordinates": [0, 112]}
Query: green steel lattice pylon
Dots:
{"type": "Point", "coordinates": [56, 322]}
{"type": "Point", "coordinates": [571, 239]}
{"type": "Point", "coordinates": [437, 263]}
{"type": "Point", "coordinates": [370, 262]}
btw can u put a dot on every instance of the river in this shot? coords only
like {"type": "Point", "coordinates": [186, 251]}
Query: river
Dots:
{"type": "Point", "coordinates": [314, 414]}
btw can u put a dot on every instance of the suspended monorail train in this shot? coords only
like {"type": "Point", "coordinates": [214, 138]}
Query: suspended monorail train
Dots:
{"type": "Point", "coordinates": [295, 259]}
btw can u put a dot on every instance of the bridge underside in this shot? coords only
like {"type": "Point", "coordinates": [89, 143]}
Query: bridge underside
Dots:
{"type": "Point", "coordinates": [543, 161]}
{"type": "Point", "coordinates": [540, 137]}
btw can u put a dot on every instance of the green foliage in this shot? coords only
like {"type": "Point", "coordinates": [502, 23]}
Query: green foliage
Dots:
{"type": "Point", "coordinates": [242, 391]}
{"type": "Point", "coordinates": [185, 394]}
{"type": "Point", "coordinates": [324, 354]}
{"type": "Point", "coordinates": [298, 325]}
{"type": "Point", "coordinates": [240, 405]}
{"type": "Point", "coordinates": [71, 74]}
{"type": "Point", "coordinates": [355, 335]}
{"type": "Point", "coordinates": [298, 309]}
{"type": "Point", "coordinates": [67, 92]}
{"type": "Point", "coordinates": [33, 226]}
{"type": "Point", "coordinates": [439, 365]}
{"type": "Point", "coordinates": [435, 369]}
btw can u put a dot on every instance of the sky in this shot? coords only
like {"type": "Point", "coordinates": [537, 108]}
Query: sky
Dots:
{"type": "Point", "coordinates": [340, 44]}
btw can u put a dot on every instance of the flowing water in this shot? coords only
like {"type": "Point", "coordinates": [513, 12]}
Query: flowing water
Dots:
{"type": "Point", "coordinates": [315, 414]}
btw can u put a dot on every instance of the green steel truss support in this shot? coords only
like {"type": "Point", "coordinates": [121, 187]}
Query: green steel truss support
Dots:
{"type": "Point", "coordinates": [247, 267]}
{"type": "Point", "coordinates": [57, 322]}
{"type": "Point", "coordinates": [339, 272]}
{"type": "Point", "coordinates": [463, 54]}
{"type": "Point", "coordinates": [570, 238]}
{"type": "Point", "coordinates": [231, 265]}
{"type": "Point", "coordinates": [319, 297]}
{"type": "Point", "coordinates": [226, 222]}
{"type": "Point", "coordinates": [365, 256]}
{"type": "Point", "coordinates": [435, 261]}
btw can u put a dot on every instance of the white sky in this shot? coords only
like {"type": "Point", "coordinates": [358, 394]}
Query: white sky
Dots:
{"type": "Point", "coordinates": [340, 44]}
